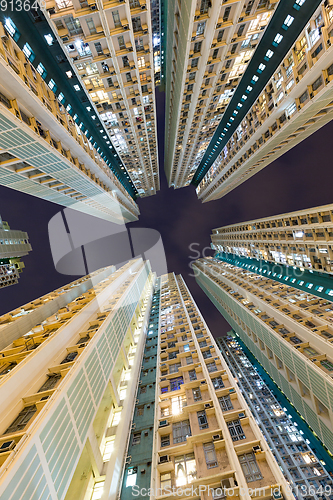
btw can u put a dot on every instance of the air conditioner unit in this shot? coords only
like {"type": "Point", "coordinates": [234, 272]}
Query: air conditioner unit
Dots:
{"type": "Point", "coordinates": [163, 379]}
{"type": "Point", "coordinates": [256, 449]}
{"type": "Point", "coordinates": [128, 459]}
{"type": "Point", "coordinates": [328, 42]}
{"type": "Point", "coordinates": [7, 446]}
{"type": "Point", "coordinates": [216, 437]}
{"type": "Point", "coordinates": [93, 7]}
{"type": "Point", "coordinates": [232, 390]}
{"type": "Point", "coordinates": [64, 38]}
{"type": "Point", "coordinates": [203, 382]}
{"type": "Point", "coordinates": [163, 423]}
{"type": "Point", "coordinates": [163, 459]}
{"type": "Point", "coordinates": [241, 415]}
{"type": "Point", "coordinates": [208, 405]}
{"type": "Point", "coordinates": [143, 471]}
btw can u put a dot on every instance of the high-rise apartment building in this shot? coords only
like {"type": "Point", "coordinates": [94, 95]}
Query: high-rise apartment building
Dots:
{"type": "Point", "coordinates": [291, 449]}
{"type": "Point", "coordinates": [183, 386]}
{"type": "Point", "coordinates": [44, 150]}
{"type": "Point", "coordinates": [13, 245]}
{"type": "Point", "coordinates": [111, 47]}
{"type": "Point", "coordinates": [303, 239]}
{"type": "Point", "coordinates": [124, 389]}
{"type": "Point", "coordinates": [288, 331]}
{"type": "Point", "coordinates": [241, 90]}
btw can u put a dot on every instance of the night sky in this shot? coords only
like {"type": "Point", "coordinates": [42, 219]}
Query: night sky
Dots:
{"type": "Point", "coordinates": [300, 179]}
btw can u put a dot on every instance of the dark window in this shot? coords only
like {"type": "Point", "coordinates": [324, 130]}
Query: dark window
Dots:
{"type": "Point", "coordinates": [22, 419]}
{"type": "Point", "coordinates": [50, 382]}
{"type": "Point", "coordinates": [202, 418]}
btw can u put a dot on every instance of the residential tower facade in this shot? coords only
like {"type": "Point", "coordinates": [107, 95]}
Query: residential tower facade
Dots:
{"type": "Point", "coordinates": [122, 390]}
{"type": "Point", "coordinates": [287, 330]}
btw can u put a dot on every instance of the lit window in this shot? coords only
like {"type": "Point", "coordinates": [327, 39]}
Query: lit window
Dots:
{"type": "Point", "coordinates": [116, 418]}
{"type": "Point", "coordinates": [98, 490]}
{"type": "Point", "coordinates": [108, 449]}
{"type": "Point", "coordinates": [277, 39]}
{"type": "Point", "coordinates": [77, 88]}
{"type": "Point", "coordinates": [61, 97]}
{"type": "Point", "coordinates": [269, 53]}
{"type": "Point", "coordinates": [131, 476]}
{"type": "Point", "coordinates": [288, 20]}
{"type": "Point", "coordinates": [10, 27]}
{"type": "Point", "coordinates": [28, 52]}
{"type": "Point", "coordinates": [299, 2]}
{"type": "Point", "coordinates": [41, 70]}
{"type": "Point", "coordinates": [261, 67]}
{"type": "Point", "coordinates": [255, 78]}
{"type": "Point", "coordinates": [49, 39]}
{"type": "Point", "coordinates": [69, 74]}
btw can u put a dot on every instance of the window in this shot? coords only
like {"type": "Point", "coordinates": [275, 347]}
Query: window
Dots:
{"type": "Point", "coordinates": [73, 26]}
{"type": "Point", "coordinates": [194, 62]}
{"type": "Point", "coordinates": [121, 42]}
{"type": "Point", "coordinates": [116, 18]}
{"type": "Point", "coordinates": [108, 449]}
{"type": "Point", "coordinates": [165, 441]}
{"type": "Point", "coordinates": [197, 394]}
{"type": "Point", "coordinates": [140, 411]}
{"type": "Point", "coordinates": [174, 368]}
{"type": "Point", "coordinates": [173, 354]}
{"type": "Point", "coordinates": [186, 347]}
{"type": "Point", "coordinates": [136, 21]}
{"type": "Point", "coordinates": [203, 343]}
{"type": "Point", "coordinates": [51, 381]}
{"type": "Point", "coordinates": [225, 403]}
{"type": "Point", "coordinates": [180, 431]}
{"type": "Point", "coordinates": [175, 383]}
{"type": "Point", "coordinates": [197, 47]}
{"type": "Point", "coordinates": [201, 28]}
{"type": "Point", "coordinates": [236, 430]}
{"type": "Point", "coordinates": [136, 438]}
{"type": "Point", "coordinates": [185, 469]}
{"type": "Point", "coordinates": [327, 364]}
{"type": "Point", "coordinates": [189, 360]}
{"type": "Point", "coordinates": [98, 490]}
{"type": "Point", "coordinates": [98, 48]}
{"type": "Point", "coordinates": [165, 480]}
{"type": "Point", "coordinates": [22, 419]}
{"type": "Point", "coordinates": [220, 35]}
{"type": "Point", "coordinates": [217, 383]}
{"type": "Point", "coordinates": [192, 375]}
{"type": "Point", "coordinates": [202, 418]}
{"type": "Point", "coordinates": [28, 52]}
{"type": "Point", "coordinates": [211, 367]}
{"type": "Point", "coordinates": [143, 389]}
{"type": "Point", "coordinates": [207, 354]}
{"type": "Point", "coordinates": [131, 476]}
{"type": "Point", "coordinates": [91, 26]}
{"type": "Point", "coordinates": [210, 455]}
{"type": "Point", "coordinates": [250, 467]}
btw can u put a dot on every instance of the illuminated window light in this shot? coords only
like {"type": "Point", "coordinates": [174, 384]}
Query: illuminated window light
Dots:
{"type": "Point", "coordinates": [261, 67]}
{"type": "Point", "coordinates": [77, 88]}
{"type": "Point", "coordinates": [41, 70]}
{"type": "Point", "coordinates": [277, 39]}
{"type": "Point", "coordinates": [269, 54]}
{"type": "Point", "coordinates": [49, 39]}
{"type": "Point", "coordinates": [10, 27]}
{"type": "Point", "coordinates": [288, 21]}
{"type": "Point", "coordinates": [298, 4]}
{"type": "Point", "coordinates": [249, 88]}
{"type": "Point", "coordinates": [244, 97]}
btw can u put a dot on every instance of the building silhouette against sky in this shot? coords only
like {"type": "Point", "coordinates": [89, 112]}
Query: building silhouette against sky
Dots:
{"type": "Point", "coordinates": [14, 244]}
